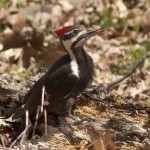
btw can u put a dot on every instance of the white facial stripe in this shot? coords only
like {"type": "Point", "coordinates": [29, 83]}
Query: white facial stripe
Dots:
{"type": "Point", "coordinates": [67, 44]}
{"type": "Point", "coordinates": [73, 64]}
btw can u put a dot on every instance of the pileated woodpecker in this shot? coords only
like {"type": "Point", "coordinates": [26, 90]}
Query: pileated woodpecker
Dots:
{"type": "Point", "coordinates": [68, 77]}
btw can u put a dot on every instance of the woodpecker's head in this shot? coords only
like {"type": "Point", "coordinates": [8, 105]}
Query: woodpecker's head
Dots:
{"type": "Point", "coordinates": [75, 36]}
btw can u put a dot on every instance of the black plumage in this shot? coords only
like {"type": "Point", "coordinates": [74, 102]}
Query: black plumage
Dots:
{"type": "Point", "coordinates": [68, 77]}
{"type": "Point", "coordinates": [60, 84]}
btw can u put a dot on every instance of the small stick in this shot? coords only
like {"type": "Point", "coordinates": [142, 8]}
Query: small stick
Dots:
{"type": "Point", "coordinates": [102, 143]}
{"type": "Point", "coordinates": [26, 127]}
{"type": "Point", "coordinates": [91, 144]}
{"type": "Point", "coordinates": [23, 134]}
{"type": "Point", "coordinates": [27, 118]}
{"type": "Point", "coordinates": [140, 61]}
{"type": "Point", "coordinates": [17, 139]}
{"type": "Point", "coordinates": [42, 100]}
{"type": "Point", "coordinates": [2, 139]}
{"type": "Point", "coordinates": [36, 119]}
{"type": "Point", "coordinates": [45, 120]}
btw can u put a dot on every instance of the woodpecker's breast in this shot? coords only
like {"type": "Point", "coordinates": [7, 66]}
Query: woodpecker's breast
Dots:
{"type": "Point", "coordinates": [74, 67]}
{"type": "Point", "coordinates": [85, 69]}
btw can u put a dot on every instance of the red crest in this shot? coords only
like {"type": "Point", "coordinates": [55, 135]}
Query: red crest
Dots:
{"type": "Point", "coordinates": [62, 30]}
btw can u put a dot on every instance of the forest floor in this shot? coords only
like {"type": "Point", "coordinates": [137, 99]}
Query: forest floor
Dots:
{"type": "Point", "coordinates": [121, 120]}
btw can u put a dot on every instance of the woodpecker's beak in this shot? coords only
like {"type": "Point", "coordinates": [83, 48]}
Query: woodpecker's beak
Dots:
{"type": "Point", "coordinates": [86, 35]}
{"type": "Point", "coordinates": [93, 32]}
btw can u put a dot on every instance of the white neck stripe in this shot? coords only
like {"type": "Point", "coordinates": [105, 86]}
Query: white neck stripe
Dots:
{"type": "Point", "coordinates": [73, 64]}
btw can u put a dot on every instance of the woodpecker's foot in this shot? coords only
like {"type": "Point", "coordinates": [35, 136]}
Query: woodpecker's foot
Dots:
{"type": "Point", "coordinates": [68, 106]}
{"type": "Point", "coordinates": [95, 92]}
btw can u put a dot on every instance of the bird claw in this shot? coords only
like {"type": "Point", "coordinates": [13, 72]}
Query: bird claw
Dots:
{"type": "Point", "coordinates": [95, 92]}
{"type": "Point", "coordinates": [101, 92]}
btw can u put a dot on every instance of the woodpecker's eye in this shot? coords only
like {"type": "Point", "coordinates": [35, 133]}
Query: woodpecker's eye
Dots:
{"type": "Point", "coordinates": [75, 31]}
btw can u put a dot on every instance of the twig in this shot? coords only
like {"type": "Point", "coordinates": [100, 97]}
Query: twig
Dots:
{"type": "Point", "coordinates": [36, 119]}
{"type": "Point", "coordinates": [22, 134]}
{"type": "Point", "coordinates": [42, 100]}
{"type": "Point", "coordinates": [16, 139]}
{"type": "Point", "coordinates": [140, 61]}
{"type": "Point", "coordinates": [45, 120]}
{"type": "Point", "coordinates": [91, 144]}
{"type": "Point", "coordinates": [2, 140]}
{"type": "Point", "coordinates": [102, 144]}
{"type": "Point", "coordinates": [40, 110]}
{"type": "Point", "coordinates": [27, 118]}
{"type": "Point", "coordinates": [26, 128]}
{"type": "Point", "coordinates": [45, 112]}
{"type": "Point", "coordinates": [125, 28]}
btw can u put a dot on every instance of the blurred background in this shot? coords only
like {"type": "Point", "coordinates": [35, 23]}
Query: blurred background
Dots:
{"type": "Point", "coordinates": [27, 42]}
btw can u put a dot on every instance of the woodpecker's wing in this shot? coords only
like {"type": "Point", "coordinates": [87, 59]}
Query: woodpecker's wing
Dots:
{"type": "Point", "coordinates": [62, 79]}
{"type": "Point", "coordinates": [58, 85]}
{"type": "Point", "coordinates": [55, 77]}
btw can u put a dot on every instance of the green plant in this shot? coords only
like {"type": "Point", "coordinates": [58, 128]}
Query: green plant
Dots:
{"type": "Point", "coordinates": [119, 68]}
{"type": "Point", "coordinates": [136, 52]}
{"type": "Point", "coordinates": [137, 26]}
{"type": "Point", "coordinates": [147, 46]}
{"type": "Point", "coordinates": [21, 3]}
{"type": "Point", "coordinates": [3, 3]}
{"type": "Point", "coordinates": [122, 22]}
{"type": "Point", "coordinates": [40, 64]}
{"type": "Point", "coordinates": [106, 19]}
